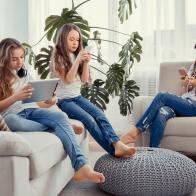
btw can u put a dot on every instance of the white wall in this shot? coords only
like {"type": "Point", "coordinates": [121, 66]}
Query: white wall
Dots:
{"type": "Point", "coordinates": [13, 19]}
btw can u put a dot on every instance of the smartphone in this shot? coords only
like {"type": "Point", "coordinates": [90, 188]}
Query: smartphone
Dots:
{"type": "Point", "coordinates": [88, 49]}
{"type": "Point", "coordinates": [182, 71]}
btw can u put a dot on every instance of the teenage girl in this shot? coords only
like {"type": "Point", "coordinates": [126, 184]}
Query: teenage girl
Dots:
{"type": "Point", "coordinates": [71, 64]}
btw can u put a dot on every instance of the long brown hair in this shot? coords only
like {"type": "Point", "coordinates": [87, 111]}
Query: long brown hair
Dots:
{"type": "Point", "coordinates": [7, 75]}
{"type": "Point", "coordinates": [60, 54]}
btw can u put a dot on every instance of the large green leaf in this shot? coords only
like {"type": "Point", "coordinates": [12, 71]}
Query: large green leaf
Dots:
{"type": "Point", "coordinates": [129, 91]}
{"type": "Point", "coordinates": [43, 61]}
{"type": "Point", "coordinates": [96, 94]}
{"type": "Point", "coordinates": [125, 9]}
{"type": "Point", "coordinates": [131, 50]}
{"type": "Point", "coordinates": [54, 22]}
{"type": "Point", "coordinates": [114, 79]}
{"type": "Point", "coordinates": [29, 53]}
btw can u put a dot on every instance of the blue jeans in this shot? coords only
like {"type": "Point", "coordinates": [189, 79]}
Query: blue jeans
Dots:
{"type": "Point", "coordinates": [59, 125]}
{"type": "Point", "coordinates": [163, 107]}
{"type": "Point", "coordinates": [93, 118]}
{"type": "Point", "coordinates": [18, 123]}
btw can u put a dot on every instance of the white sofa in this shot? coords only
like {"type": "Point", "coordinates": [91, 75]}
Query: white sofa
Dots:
{"type": "Point", "coordinates": [34, 163]}
{"type": "Point", "coordinates": [180, 132]}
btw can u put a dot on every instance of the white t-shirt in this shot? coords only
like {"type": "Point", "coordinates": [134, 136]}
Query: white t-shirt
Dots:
{"type": "Point", "coordinates": [65, 91]}
{"type": "Point", "coordinates": [68, 90]}
{"type": "Point", "coordinates": [19, 106]}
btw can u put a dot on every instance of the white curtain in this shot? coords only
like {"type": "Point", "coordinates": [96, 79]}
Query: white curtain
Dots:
{"type": "Point", "coordinates": [38, 11]}
{"type": "Point", "coordinates": [168, 28]}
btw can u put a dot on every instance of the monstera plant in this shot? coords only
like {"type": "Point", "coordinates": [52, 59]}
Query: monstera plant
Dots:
{"type": "Point", "coordinates": [117, 81]}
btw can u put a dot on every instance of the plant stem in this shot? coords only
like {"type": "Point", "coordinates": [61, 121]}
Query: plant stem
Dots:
{"type": "Point", "coordinates": [106, 40]}
{"type": "Point", "coordinates": [98, 70]}
{"type": "Point", "coordinates": [80, 4]}
{"type": "Point", "coordinates": [109, 30]}
{"type": "Point", "coordinates": [39, 40]}
{"type": "Point", "coordinates": [72, 4]}
{"type": "Point", "coordinates": [98, 58]}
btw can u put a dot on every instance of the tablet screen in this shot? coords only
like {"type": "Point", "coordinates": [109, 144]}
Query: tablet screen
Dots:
{"type": "Point", "coordinates": [42, 90]}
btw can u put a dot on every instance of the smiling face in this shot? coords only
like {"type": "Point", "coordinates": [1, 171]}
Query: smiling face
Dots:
{"type": "Point", "coordinates": [17, 59]}
{"type": "Point", "coordinates": [73, 40]}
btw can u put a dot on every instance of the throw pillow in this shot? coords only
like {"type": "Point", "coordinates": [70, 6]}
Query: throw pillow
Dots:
{"type": "Point", "coordinates": [3, 126]}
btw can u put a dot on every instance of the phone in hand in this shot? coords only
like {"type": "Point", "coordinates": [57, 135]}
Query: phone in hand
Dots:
{"type": "Point", "coordinates": [182, 71]}
{"type": "Point", "coordinates": [88, 49]}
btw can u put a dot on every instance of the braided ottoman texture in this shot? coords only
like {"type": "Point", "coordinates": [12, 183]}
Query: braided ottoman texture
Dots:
{"type": "Point", "coordinates": [151, 172]}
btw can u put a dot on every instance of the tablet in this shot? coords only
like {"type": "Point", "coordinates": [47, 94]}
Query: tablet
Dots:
{"type": "Point", "coordinates": [42, 90]}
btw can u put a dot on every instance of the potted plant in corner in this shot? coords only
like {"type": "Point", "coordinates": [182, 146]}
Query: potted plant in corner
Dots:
{"type": "Point", "coordinates": [117, 81]}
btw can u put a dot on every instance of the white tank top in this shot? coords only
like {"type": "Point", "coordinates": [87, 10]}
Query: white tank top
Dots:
{"type": "Point", "coordinates": [68, 90]}
{"type": "Point", "coordinates": [65, 91]}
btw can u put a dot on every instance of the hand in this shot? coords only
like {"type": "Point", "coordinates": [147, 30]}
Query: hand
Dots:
{"type": "Point", "coordinates": [185, 80]}
{"type": "Point", "coordinates": [83, 56]}
{"type": "Point", "coordinates": [23, 93]}
{"type": "Point", "coordinates": [51, 101]}
{"type": "Point", "coordinates": [88, 58]}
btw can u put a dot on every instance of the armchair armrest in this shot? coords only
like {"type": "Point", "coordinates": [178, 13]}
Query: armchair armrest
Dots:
{"type": "Point", "coordinates": [139, 106]}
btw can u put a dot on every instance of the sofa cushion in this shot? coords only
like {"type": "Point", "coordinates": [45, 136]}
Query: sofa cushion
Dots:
{"type": "Point", "coordinates": [13, 144]}
{"type": "Point", "coordinates": [47, 150]}
{"type": "Point", "coordinates": [181, 126]}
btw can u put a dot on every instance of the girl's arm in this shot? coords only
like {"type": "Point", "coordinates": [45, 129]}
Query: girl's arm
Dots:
{"type": "Point", "coordinates": [86, 70]}
{"type": "Point", "coordinates": [5, 103]}
{"type": "Point", "coordinates": [185, 81]}
{"type": "Point", "coordinates": [22, 94]}
{"type": "Point", "coordinates": [71, 74]}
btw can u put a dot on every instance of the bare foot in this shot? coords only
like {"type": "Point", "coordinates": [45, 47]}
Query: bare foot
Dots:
{"type": "Point", "coordinates": [122, 150]}
{"type": "Point", "coordinates": [86, 173]}
{"type": "Point", "coordinates": [78, 129]}
{"type": "Point", "coordinates": [131, 136]}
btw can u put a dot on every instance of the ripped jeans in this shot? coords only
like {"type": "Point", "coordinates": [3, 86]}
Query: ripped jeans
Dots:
{"type": "Point", "coordinates": [163, 107]}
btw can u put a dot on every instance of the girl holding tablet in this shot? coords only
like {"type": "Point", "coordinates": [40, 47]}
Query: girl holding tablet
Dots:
{"type": "Point", "coordinates": [14, 89]}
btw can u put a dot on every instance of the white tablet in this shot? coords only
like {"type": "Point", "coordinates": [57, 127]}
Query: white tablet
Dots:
{"type": "Point", "coordinates": [42, 90]}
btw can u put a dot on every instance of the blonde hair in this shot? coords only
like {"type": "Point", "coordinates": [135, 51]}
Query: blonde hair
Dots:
{"type": "Point", "coordinates": [7, 76]}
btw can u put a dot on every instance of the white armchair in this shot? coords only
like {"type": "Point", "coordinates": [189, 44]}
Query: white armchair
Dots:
{"type": "Point", "coordinates": [180, 132]}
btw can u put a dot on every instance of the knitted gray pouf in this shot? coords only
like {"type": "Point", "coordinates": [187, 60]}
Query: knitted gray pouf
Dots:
{"type": "Point", "coordinates": [151, 172]}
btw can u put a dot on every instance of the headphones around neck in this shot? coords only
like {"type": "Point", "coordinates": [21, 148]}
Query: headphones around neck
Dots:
{"type": "Point", "coordinates": [22, 72]}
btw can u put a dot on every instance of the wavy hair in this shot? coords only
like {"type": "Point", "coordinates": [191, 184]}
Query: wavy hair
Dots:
{"type": "Point", "coordinates": [7, 75]}
{"type": "Point", "coordinates": [60, 56]}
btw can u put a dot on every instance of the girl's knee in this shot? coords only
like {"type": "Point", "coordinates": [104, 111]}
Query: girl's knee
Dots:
{"type": "Point", "coordinates": [89, 120]}
{"type": "Point", "coordinates": [167, 112]}
{"type": "Point", "coordinates": [163, 95]}
{"type": "Point", "coordinates": [11, 118]}
{"type": "Point", "coordinates": [61, 115]}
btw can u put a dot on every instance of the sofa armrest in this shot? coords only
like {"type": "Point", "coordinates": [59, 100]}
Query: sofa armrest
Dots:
{"type": "Point", "coordinates": [13, 144]}
{"type": "Point", "coordinates": [139, 106]}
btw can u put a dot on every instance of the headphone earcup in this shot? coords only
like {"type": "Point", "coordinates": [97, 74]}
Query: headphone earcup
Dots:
{"type": "Point", "coordinates": [22, 72]}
